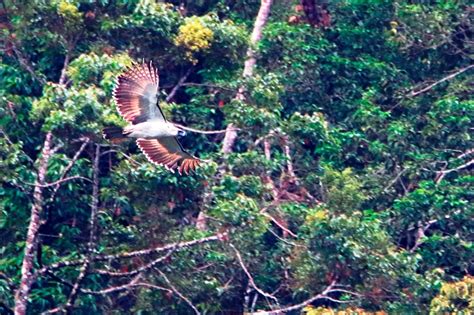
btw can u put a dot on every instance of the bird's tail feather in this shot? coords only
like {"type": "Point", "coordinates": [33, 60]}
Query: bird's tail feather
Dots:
{"type": "Point", "coordinates": [114, 134]}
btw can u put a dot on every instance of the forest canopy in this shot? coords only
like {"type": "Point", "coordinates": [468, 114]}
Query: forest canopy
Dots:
{"type": "Point", "coordinates": [336, 139]}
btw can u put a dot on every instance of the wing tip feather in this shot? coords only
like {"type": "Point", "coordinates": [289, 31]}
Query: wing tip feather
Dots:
{"type": "Point", "coordinates": [170, 162]}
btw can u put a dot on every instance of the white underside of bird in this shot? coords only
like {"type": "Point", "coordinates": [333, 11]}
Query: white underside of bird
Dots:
{"type": "Point", "coordinates": [153, 129]}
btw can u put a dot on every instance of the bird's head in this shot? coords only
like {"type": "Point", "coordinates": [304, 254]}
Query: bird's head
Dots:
{"type": "Point", "coordinates": [175, 131]}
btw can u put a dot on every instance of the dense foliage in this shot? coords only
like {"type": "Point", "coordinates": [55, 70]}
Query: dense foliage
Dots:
{"type": "Point", "coordinates": [351, 171]}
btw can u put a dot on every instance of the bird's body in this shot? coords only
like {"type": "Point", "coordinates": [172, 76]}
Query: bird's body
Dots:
{"type": "Point", "coordinates": [136, 96]}
{"type": "Point", "coordinates": [152, 129]}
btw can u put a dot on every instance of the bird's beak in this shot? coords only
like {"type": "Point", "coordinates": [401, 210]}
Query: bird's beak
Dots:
{"type": "Point", "coordinates": [181, 133]}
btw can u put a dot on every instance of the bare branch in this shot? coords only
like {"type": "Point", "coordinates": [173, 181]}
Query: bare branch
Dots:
{"type": "Point", "coordinates": [285, 240]}
{"type": "Point", "coordinates": [209, 85]}
{"type": "Point", "coordinates": [429, 87]}
{"type": "Point", "coordinates": [441, 174]}
{"type": "Point", "coordinates": [26, 65]}
{"type": "Point", "coordinates": [178, 85]}
{"type": "Point", "coordinates": [209, 132]}
{"type": "Point", "coordinates": [60, 181]}
{"type": "Point", "coordinates": [322, 295]}
{"type": "Point", "coordinates": [270, 134]}
{"type": "Point", "coordinates": [70, 45]}
{"type": "Point", "coordinates": [69, 166]}
{"type": "Point", "coordinates": [173, 288]}
{"type": "Point", "coordinates": [92, 234]}
{"type": "Point", "coordinates": [249, 276]}
{"type": "Point", "coordinates": [397, 177]}
{"type": "Point", "coordinates": [125, 287]}
{"type": "Point", "coordinates": [179, 246]}
{"type": "Point", "coordinates": [466, 153]}
{"type": "Point", "coordinates": [278, 224]}
{"type": "Point", "coordinates": [140, 269]}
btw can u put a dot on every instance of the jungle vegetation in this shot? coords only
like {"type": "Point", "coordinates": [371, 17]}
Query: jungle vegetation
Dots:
{"type": "Point", "coordinates": [340, 181]}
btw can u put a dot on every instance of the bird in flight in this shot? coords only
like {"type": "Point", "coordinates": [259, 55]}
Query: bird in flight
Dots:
{"type": "Point", "coordinates": [135, 94]}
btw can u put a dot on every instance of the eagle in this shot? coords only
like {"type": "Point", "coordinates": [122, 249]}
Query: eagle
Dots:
{"type": "Point", "coordinates": [136, 96]}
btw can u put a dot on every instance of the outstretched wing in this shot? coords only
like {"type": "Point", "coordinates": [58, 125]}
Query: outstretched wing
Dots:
{"type": "Point", "coordinates": [135, 94]}
{"type": "Point", "coordinates": [169, 153]}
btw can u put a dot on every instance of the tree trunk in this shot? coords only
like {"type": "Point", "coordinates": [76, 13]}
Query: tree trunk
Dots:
{"type": "Point", "coordinates": [230, 133]}
{"type": "Point", "coordinates": [260, 21]}
{"type": "Point", "coordinates": [21, 298]}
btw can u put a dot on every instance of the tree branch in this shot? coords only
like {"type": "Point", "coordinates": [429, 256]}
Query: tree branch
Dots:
{"type": "Point", "coordinates": [249, 276]}
{"type": "Point", "coordinates": [69, 167]}
{"type": "Point", "coordinates": [429, 87]}
{"type": "Point", "coordinates": [278, 224]}
{"type": "Point", "coordinates": [173, 288]}
{"type": "Point", "coordinates": [124, 287]}
{"type": "Point", "coordinates": [26, 65]}
{"type": "Point", "coordinates": [268, 178]}
{"type": "Point", "coordinates": [322, 295]}
{"type": "Point", "coordinates": [60, 181]}
{"type": "Point", "coordinates": [140, 269]}
{"type": "Point", "coordinates": [76, 287]}
{"type": "Point", "coordinates": [92, 235]}
{"type": "Point", "coordinates": [179, 246]}
{"type": "Point", "coordinates": [441, 174]}
{"type": "Point", "coordinates": [209, 85]}
{"type": "Point", "coordinates": [209, 132]}
{"type": "Point", "coordinates": [178, 85]}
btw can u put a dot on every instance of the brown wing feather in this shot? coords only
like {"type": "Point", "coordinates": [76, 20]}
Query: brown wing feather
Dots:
{"type": "Point", "coordinates": [169, 153]}
{"type": "Point", "coordinates": [135, 94]}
